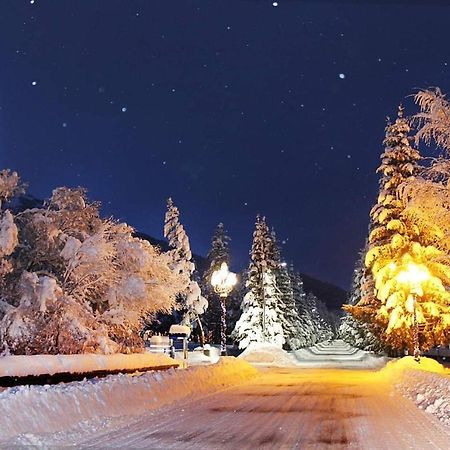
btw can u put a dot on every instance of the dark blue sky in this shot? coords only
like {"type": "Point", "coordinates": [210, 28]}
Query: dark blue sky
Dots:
{"type": "Point", "coordinates": [231, 107]}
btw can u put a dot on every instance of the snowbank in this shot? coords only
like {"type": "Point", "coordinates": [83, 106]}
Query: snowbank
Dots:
{"type": "Point", "coordinates": [426, 383]}
{"type": "Point", "coordinates": [267, 355]}
{"type": "Point", "coordinates": [89, 406]}
{"type": "Point", "coordinates": [22, 366]}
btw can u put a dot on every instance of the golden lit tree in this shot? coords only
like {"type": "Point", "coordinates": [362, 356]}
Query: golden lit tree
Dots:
{"type": "Point", "coordinates": [399, 163]}
{"type": "Point", "coordinates": [409, 247]}
{"type": "Point", "coordinates": [410, 283]}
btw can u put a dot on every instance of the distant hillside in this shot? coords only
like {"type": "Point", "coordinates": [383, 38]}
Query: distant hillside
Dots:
{"type": "Point", "coordinates": [333, 296]}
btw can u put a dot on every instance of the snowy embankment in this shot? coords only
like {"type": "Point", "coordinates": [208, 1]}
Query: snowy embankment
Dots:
{"type": "Point", "coordinates": [35, 365]}
{"type": "Point", "coordinates": [267, 355]}
{"type": "Point", "coordinates": [426, 383]}
{"type": "Point", "coordinates": [90, 406]}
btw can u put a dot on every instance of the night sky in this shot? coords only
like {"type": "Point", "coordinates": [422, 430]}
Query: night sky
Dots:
{"type": "Point", "coordinates": [232, 107]}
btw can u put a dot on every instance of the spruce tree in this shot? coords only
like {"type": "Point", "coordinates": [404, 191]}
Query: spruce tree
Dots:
{"type": "Point", "coordinates": [390, 236]}
{"type": "Point", "coordinates": [305, 336]}
{"type": "Point", "coordinates": [190, 299]}
{"type": "Point", "coordinates": [259, 322]}
{"type": "Point", "coordinates": [321, 327]}
{"type": "Point", "coordinates": [286, 308]}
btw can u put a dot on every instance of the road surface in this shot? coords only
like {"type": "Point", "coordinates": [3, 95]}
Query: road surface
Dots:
{"type": "Point", "coordinates": [288, 408]}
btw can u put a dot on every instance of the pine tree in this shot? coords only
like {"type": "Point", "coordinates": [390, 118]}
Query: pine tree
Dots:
{"type": "Point", "coordinates": [305, 336]}
{"type": "Point", "coordinates": [399, 162]}
{"type": "Point", "coordinates": [218, 254]}
{"type": "Point", "coordinates": [190, 298]}
{"type": "Point", "coordinates": [322, 329]}
{"type": "Point", "coordinates": [286, 308]}
{"type": "Point", "coordinates": [259, 321]}
{"type": "Point", "coordinates": [398, 248]}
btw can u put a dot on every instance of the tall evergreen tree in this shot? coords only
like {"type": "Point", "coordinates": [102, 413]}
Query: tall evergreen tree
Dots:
{"type": "Point", "coordinates": [305, 336]}
{"type": "Point", "coordinates": [259, 321]}
{"type": "Point", "coordinates": [322, 328]}
{"type": "Point", "coordinates": [287, 311]}
{"type": "Point", "coordinates": [191, 301]}
{"type": "Point", "coordinates": [389, 234]}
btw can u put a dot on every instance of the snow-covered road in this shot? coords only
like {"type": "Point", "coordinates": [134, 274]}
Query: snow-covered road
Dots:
{"type": "Point", "coordinates": [288, 408]}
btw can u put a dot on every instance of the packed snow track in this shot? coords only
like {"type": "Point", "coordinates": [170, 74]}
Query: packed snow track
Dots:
{"type": "Point", "coordinates": [337, 354]}
{"type": "Point", "coordinates": [288, 408]}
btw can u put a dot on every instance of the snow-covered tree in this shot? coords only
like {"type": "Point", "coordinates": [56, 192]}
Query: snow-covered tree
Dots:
{"type": "Point", "coordinates": [192, 303]}
{"type": "Point", "coordinates": [351, 330]}
{"type": "Point", "coordinates": [409, 264]}
{"type": "Point", "coordinates": [218, 254]}
{"type": "Point", "coordinates": [322, 328]}
{"type": "Point", "coordinates": [433, 120]}
{"type": "Point", "coordinates": [73, 282]}
{"type": "Point", "coordinates": [294, 330]}
{"type": "Point", "coordinates": [259, 321]}
{"type": "Point", "coordinates": [10, 186]}
{"type": "Point", "coordinates": [306, 331]}
{"type": "Point", "coordinates": [399, 163]}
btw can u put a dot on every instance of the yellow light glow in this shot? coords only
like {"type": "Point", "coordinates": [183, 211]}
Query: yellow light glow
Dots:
{"type": "Point", "coordinates": [223, 280]}
{"type": "Point", "coordinates": [414, 275]}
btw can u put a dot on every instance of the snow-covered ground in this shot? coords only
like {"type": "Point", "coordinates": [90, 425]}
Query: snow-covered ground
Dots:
{"type": "Point", "coordinates": [286, 408]}
{"type": "Point", "coordinates": [426, 383]}
{"type": "Point", "coordinates": [55, 414]}
{"type": "Point", "coordinates": [21, 366]}
{"type": "Point", "coordinates": [267, 355]}
{"type": "Point", "coordinates": [338, 354]}
{"type": "Point", "coordinates": [325, 354]}
{"type": "Point", "coordinates": [231, 405]}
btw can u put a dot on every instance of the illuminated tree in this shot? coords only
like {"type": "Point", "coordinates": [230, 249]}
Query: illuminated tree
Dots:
{"type": "Point", "coordinates": [411, 283]}
{"type": "Point", "coordinates": [434, 118]}
{"type": "Point", "coordinates": [399, 164]}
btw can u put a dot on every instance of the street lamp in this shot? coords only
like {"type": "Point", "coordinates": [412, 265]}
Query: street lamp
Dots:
{"type": "Point", "coordinates": [223, 281]}
{"type": "Point", "coordinates": [414, 276]}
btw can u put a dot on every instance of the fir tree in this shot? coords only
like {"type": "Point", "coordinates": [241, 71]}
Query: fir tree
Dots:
{"type": "Point", "coordinates": [286, 308]}
{"type": "Point", "coordinates": [305, 336]}
{"type": "Point", "coordinates": [322, 328]}
{"type": "Point", "coordinates": [190, 299]}
{"type": "Point", "coordinates": [398, 247]}
{"type": "Point", "coordinates": [259, 321]}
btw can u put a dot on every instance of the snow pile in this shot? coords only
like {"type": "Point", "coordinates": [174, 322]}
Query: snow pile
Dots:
{"type": "Point", "coordinates": [202, 355]}
{"type": "Point", "coordinates": [88, 406]}
{"type": "Point", "coordinates": [21, 366]}
{"type": "Point", "coordinates": [267, 355]}
{"type": "Point", "coordinates": [426, 383]}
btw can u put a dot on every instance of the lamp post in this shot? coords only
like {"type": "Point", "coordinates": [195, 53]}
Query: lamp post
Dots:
{"type": "Point", "coordinates": [223, 281]}
{"type": "Point", "coordinates": [413, 276]}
